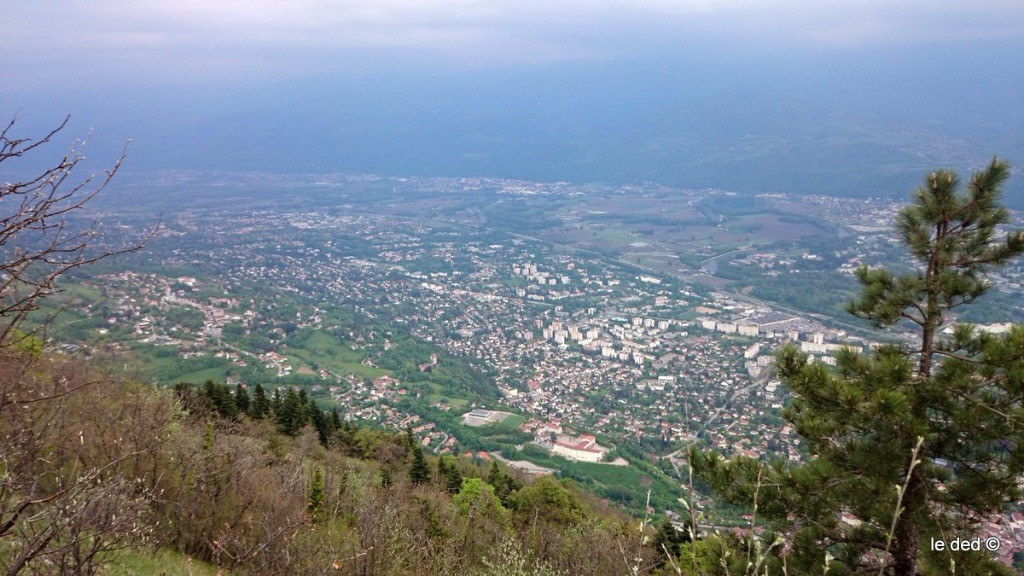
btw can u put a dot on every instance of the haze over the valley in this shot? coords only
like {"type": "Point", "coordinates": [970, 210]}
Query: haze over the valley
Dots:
{"type": "Point", "coordinates": [842, 97]}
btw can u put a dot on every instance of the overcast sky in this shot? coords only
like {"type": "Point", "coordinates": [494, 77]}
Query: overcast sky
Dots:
{"type": "Point", "coordinates": [57, 43]}
{"type": "Point", "coordinates": [699, 92]}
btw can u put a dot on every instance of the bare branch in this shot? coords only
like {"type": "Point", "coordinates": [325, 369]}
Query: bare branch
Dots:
{"type": "Point", "coordinates": [40, 240]}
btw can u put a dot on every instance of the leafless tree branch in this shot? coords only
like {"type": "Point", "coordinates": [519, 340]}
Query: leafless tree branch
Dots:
{"type": "Point", "coordinates": [40, 241]}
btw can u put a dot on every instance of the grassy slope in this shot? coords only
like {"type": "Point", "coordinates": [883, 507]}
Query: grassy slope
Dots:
{"type": "Point", "coordinates": [133, 562]}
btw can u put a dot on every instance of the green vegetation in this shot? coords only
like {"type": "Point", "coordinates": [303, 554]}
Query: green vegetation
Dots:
{"type": "Point", "coordinates": [139, 562]}
{"type": "Point", "coordinates": [457, 376]}
{"type": "Point", "coordinates": [198, 376]}
{"type": "Point", "coordinates": [104, 474]}
{"type": "Point", "coordinates": [625, 485]}
{"type": "Point", "coordinates": [490, 438]}
{"type": "Point", "coordinates": [165, 364]}
{"type": "Point", "coordinates": [318, 349]}
{"type": "Point", "coordinates": [188, 483]}
{"type": "Point", "coordinates": [823, 292]}
{"type": "Point", "coordinates": [911, 444]}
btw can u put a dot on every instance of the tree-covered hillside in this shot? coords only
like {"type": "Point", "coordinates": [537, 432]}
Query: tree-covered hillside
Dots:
{"type": "Point", "coordinates": [98, 469]}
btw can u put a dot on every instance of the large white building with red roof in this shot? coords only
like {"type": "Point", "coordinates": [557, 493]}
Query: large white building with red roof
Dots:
{"type": "Point", "coordinates": [583, 449]}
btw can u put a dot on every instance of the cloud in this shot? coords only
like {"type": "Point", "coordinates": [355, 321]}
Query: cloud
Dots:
{"type": "Point", "coordinates": [200, 39]}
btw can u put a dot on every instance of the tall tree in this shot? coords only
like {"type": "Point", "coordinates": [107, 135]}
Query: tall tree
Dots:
{"type": "Point", "coordinates": [448, 469]}
{"type": "Point", "coordinates": [667, 540]}
{"type": "Point", "coordinates": [241, 398]}
{"type": "Point", "coordinates": [410, 440]}
{"type": "Point", "coordinates": [419, 472]}
{"type": "Point", "coordinates": [293, 414]}
{"type": "Point", "coordinates": [908, 442]}
{"type": "Point", "coordinates": [260, 405]}
{"type": "Point", "coordinates": [219, 397]}
{"type": "Point", "coordinates": [275, 402]}
{"type": "Point", "coordinates": [504, 484]}
{"type": "Point", "coordinates": [321, 422]}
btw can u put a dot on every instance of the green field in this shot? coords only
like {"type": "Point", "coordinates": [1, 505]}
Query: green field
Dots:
{"type": "Point", "coordinates": [513, 421]}
{"type": "Point", "coordinates": [81, 292]}
{"type": "Point", "coordinates": [218, 374]}
{"type": "Point", "coordinates": [318, 349]}
{"type": "Point", "coordinates": [435, 392]}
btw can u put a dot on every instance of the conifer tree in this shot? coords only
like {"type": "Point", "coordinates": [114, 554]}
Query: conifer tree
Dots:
{"type": "Point", "coordinates": [419, 473]}
{"type": "Point", "coordinates": [315, 504]}
{"type": "Point", "coordinates": [908, 443]}
{"type": "Point", "coordinates": [345, 435]}
{"type": "Point", "coordinates": [448, 469]}
{"type": "Point", "coordinates": [210, 392]}
{"type": "Point", "coordinates": [504, 485]}
{"type": "Point", "coordinates": [293, 414]}
{"type": "Point", "coordinates": [667, 540]}
{"type": "Point", "coordinates": [260, 406]}
{"type": "Point", "coordinates": [275, 402]}
{"type": "Point", "coordinates": [322, 423]}
{"type": "Point", "coordinates": [410, 440]}
{"type": "Point", "coordinates": [219, 397]}
{"type": "Point", "coordinates": [242, 398]}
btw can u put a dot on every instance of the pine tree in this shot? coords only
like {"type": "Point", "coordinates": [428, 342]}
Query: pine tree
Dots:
{"type": "Point", "coordinates": [322, 423]}
{"type": "Point", "coordinates": [419, 473]}
{"type": "Point", "coordinates": [315, 504]}
{"type": "Point", "coordinates": [410, 440]}
{"type": "Point", "coordinates": [345, 436]}
{"type": "Point", "coordinates": [667, 540]}
{"type": "Point", "coordinates": [448, 470]}
{"type": "Point", "coordinates": [504, 485]}
{"type": "Point", "coordinates": [275, 402]}
{"type": "Point", "coordinates": [242, 398]}
{"type": "Point", "coordinates": [220, 398]}
{"type": "Point", "coordinates": [260, 406]}
{"type": "Point", "coordinates": [293, 414]}
{"type": "Point", "coordinates": [908, 443]}
{"type": "Point", "coordinates": [210, 391]}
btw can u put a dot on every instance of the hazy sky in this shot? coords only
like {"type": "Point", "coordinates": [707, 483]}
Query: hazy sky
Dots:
{"type": "Point", "coordinates": [57, 43]}
{"type": "Point", "coordinates": [575, 89]}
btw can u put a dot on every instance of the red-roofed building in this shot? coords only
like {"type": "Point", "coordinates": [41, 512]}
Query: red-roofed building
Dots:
{"type": "Point", "coordinates": [583, 449]}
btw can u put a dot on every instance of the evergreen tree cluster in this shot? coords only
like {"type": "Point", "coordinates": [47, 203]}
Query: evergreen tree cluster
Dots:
{"type": "Point", "coordinates": [291, 412]}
